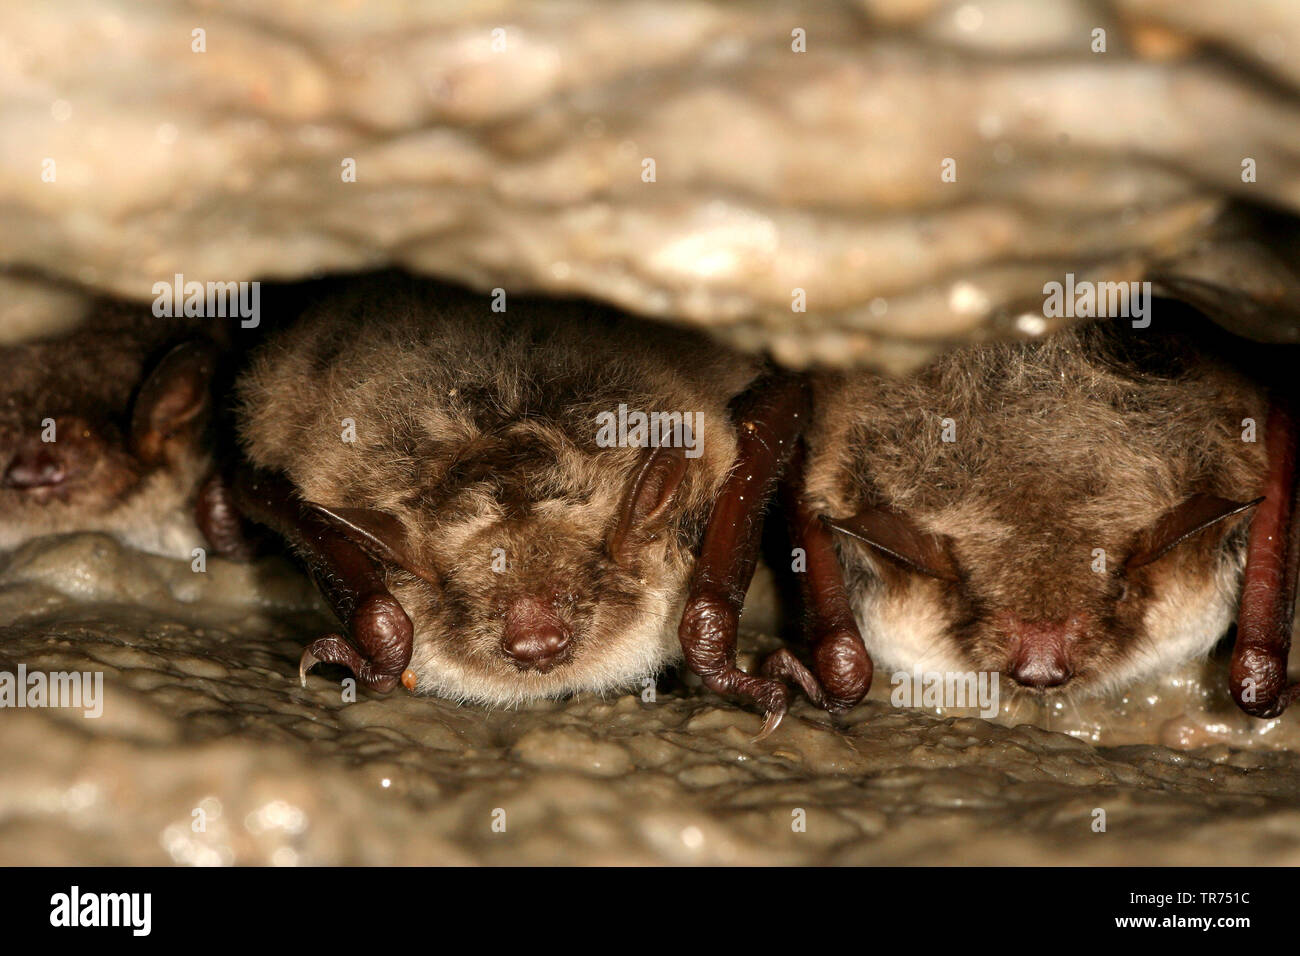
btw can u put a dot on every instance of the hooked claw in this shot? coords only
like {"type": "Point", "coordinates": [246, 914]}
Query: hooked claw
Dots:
{"type": "Point", "coordinates": [306, 663]}
{"type": "Point", "coordinates": [771, 696]}
{"type": "Point", "coordinates": [771, 720]}
{"type": "Point", "coordinates": [333, 649]}
{"type": "Point", "coordinates": [782, 665]}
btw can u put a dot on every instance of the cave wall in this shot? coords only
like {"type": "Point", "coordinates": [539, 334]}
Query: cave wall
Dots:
{"type": "Point", "coordinates": [796, 146]}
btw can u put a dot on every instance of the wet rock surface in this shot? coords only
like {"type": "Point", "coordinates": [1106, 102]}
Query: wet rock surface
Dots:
{"type": "Point", "coordinates": [798, 149]}
{"type": "Point", "coordinates": [203, 720]}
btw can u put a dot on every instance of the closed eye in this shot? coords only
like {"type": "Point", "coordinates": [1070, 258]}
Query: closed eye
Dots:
{"type": "Point", "coordinates": [1181, 523]}
{"type": "Point", "coordinates": [897, 537]}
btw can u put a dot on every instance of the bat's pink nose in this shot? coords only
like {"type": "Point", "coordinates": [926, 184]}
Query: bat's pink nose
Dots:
{"type": "Point", "coordinates": [50, 470]}
{"type": "Point", "coordinates": [1040, 654]}
{"type": "Point", "coordinates": [535, 638]}
{"type": "Point", "coordinates": [35, 467]}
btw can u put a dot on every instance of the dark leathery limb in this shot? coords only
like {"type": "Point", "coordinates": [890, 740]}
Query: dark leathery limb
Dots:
{"type": "Point", "coordinates": [841, 663]}
{"type": "Point", "coordinates": [220, 520]}
{"type": "Point", "coordinates": [348, 577]}
{"type": "Point", "coordinates": [769, 417]}
{"type": "Point", "coordinates": [1258, 673]}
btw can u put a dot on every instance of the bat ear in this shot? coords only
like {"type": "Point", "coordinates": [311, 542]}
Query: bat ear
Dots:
{"type": "Point", "coordinates": [645, 505]}
{"type": "Point", "coordinates": [1181, 522]}
{"type": "Point", "coordinates": [173, 404]}
{"type": "Point", "coordinates": [378, 532]}
{"type": "Point", "coordinates": [897, 537]}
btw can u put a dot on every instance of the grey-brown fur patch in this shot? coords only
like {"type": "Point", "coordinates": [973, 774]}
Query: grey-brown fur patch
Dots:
{"type": "Point", "coordinates": [478, 431]}
{"type": "Point", "coordinates": [1064, 446]}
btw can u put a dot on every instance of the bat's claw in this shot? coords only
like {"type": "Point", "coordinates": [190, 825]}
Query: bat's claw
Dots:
{"type": "Point", "coordinates": [771, 721]}
{"type": "Point", "coordinates": [843, 672]}
{"type": "Point", "coordinates": [1269, 706]}
{"type": "Point", "coordinates": [305, 664]}
{"type": "Point", "coordinates": [333, 649]}
{"type": "Point", "coordinates": [782, 665]}
{"type": "Point", "coordinates": [771, 696]}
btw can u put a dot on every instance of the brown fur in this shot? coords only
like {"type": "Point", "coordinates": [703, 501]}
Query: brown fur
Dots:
{"type": "Point", "coordinates": [477, 430]}
{"type": "Point", "coordinates": [85, 380]}
{"type": "Point", "coordinates": [1062, 446]}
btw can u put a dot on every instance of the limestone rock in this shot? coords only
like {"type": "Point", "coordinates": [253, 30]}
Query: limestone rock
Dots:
{"type": "Point", "coordinates": [795, 146]}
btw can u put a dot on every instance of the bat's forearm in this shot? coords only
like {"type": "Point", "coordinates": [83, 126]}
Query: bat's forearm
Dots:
{"type": "Point", "coordinates": [1259, 658]}
{"type": "Point", "coordinates": [348, 577]}
{"type": "Point", "coordinates": [769, 420]}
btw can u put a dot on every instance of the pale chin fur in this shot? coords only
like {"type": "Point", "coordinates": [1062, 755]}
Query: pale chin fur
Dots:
{"type": "Point", "coordinates": [907, 634]}
{"type": "Point", "coordinates": [157, 516]}
{"type": "Point", "coordinates": [1184, 625]}
{"type": "Point", "coordinates": [620, 664]}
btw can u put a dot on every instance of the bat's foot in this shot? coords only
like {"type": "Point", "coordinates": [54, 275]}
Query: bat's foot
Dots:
{"type": "Point", "coordinates": [708, 636]}
{"type": "Point", "coordinates": [782, 665]}
{"type": "Point", "coordinates": [333, 649]}
{"type": "Point", "coordinates": [770, 696]}
{"type": "Point", "coordinates": [380, 631]}
{"type": "Point", "coordinates": [1271, 706]}
{"type": "Point", "coordinates": [381, 627]}
{"type": "Point", "coordinates": [844, 669]}
{"type": "Point", "coordinates": [843, 672]}
{"type": "Point", "coordinates": [1258, 679]}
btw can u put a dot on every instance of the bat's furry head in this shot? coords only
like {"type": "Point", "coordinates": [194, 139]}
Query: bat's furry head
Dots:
{"type": "Point", "coordinates": [532, 560]}
{"type": "Point", "coordinates": [1027, 508]}
{"type": "Point", "coordinates": [100, 430]}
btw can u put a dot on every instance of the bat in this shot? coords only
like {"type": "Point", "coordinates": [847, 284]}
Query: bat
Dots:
{"type": "Point", "coordinates": [502, 507]}
{"type": "Point", "coordinates": [1074, 513]}
{"type": "Point", "coordinates": [104, 428]}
